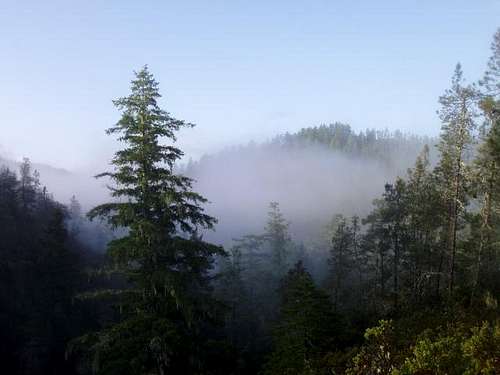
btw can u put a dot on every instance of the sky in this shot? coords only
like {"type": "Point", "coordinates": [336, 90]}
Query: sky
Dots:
{"type": "Point", "coordinates": [240, 70]}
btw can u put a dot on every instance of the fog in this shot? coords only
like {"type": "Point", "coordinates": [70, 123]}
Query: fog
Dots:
{"type": "Point", "coordinates": [311, 184]}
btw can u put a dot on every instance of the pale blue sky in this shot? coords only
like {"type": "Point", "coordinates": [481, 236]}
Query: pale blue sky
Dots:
{"type": "Point", "coordinates": [240, 70]}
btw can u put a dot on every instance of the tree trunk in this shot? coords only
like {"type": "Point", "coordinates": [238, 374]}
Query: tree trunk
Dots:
{"type": "Point", "coordinates": [484, 231]}
{"type": "Point", "coordinates": [453, 226]}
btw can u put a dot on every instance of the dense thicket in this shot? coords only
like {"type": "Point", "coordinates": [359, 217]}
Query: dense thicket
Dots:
{"type": "Point", "coordinates": [41, 264]}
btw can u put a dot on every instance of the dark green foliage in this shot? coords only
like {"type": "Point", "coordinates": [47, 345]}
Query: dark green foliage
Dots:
{"type": "Point", "coordinates": [307, 329]}
{"type": "Point", "coordinates": [347, 263]}
{"type": "Point", "coordinates": [164, 261]}
{"type": "Point", "coordinates": [39, 275]}
{"type": "Point", "coordinates": [249, 283]}
{"type": "Point", "coordinates": [377, 355]}
{"type": "Point", "coordinates": [458, 115]}
{"type": "Point", "coordinates": [463, 345]}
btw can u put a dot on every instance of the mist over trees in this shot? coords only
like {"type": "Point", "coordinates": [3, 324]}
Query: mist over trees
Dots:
{"type": "Point", "coordinates": [347, 258]}
{"type": "Point", "coordinates": [317, 171]}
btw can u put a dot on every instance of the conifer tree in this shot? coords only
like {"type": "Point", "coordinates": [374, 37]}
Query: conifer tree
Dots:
{"type": "Point", "coordinates": [394, 216]}
{"type": "Point", "coordinates": [458, 123]}
{"type": "Point", "coordinates": [425, 221]}
{"type": "Point", "coordinates": [232, 291]}
{"type": "Point", "coordinates": [340, 258]}
{"type": "Point", "coordinates": [276, 234]}
{"type": "Point", "coordinates": [487, 170]}
{"type": "Point", "coordinates": [487, 191]}
{"type": "Point", "coordinates": [307, 328]}
{"type": "Point", "coordinates": [359, 258]}
{"type": "Point", "coordinates": [491, 79]}
{"type": "Point", "coordinates": [29, 183]}
{"type": "Point", "coordinates": [75, 215]}
{"type": "Point", "coordinates": [162, 255]}
{"type": "Point", "coordinates": [8, 205]}
{"type": "Point", "coordinates": [376, 245]}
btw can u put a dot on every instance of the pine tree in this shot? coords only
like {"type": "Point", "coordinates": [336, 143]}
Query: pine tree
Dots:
{"type": "Point", "coordinates": [340, 257]}
{"type": "Point", "coordinates": [29, 183]}
{"type": "Point", "coordinates": [9, 207]}
{"type": "Point", "coordinates": [307, 328]}
{"type": "Point", "coordinates": [75, 215]}
{"type": "Point", "coordinates": [57, 278]}
{"type": "Point", "coordinates": [394, 216]}
{"type": "Point", "coordinates": [358, 256]}
{"type": "Point", "coordinates": [487, 170]}
{"type": "Point", "coordinates": [376, 245]}
{"type": "Point", "coordinates": [387, 236]}
{"type": "Point", "coordinates": [425, 222]}
{"type": "Point", "coordinates": [458, 123]}
{"type": "Point", "coordinates": [276, 235]}
{"type": "Point", "coordinates": [232, 291]}
{"type": "Point", "coordinates": [162, 255]}
{"type": "Point", "coordinates": [487, 192]}
{"type": "Point", "coordinates": [491, 79]}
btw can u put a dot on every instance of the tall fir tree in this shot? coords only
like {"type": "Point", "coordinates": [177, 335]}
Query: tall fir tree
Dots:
{"type": "Point", "coordinates": [458, 115]}
{"type": "Point", "coordinates": [307, 329]}
{"type": "Point", "coordinates": [491, 79]}
{"type": "Point", "coordinates": [340, 259]}
{"type": "Point", "coordinates": [394, 216]}
{"type": "Point", "coordinates": [487, 173]}
{"type": "Point", "coordinates": [162, 255]}
{"type": "Point", "coordinates": [426, 219]}
{"type": "Point", "coordinates": [276, 235]}
{"type": "Point", "coordinates": [486, 189]}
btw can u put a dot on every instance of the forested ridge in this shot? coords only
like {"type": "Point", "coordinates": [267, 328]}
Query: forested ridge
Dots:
{"type": "Point", "coordinates": [341, 170]}
{"type": "Point", "coordinates": [411, 287]}
{"type": "Point", "coordinates": [383, 145]}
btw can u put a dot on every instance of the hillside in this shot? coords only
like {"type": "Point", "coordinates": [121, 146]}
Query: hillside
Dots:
{"type": "Point", "coordinates": [314, 174]}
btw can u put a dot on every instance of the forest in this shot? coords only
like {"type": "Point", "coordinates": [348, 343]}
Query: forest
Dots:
{"type": "Point", "coordinates": [173, 274]}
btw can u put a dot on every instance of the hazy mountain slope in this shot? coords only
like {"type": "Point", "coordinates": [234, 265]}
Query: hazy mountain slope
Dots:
{"type": "Point", "coordinates": [313, 174]}
{"type": "Point", "coordinates": [63, 183]}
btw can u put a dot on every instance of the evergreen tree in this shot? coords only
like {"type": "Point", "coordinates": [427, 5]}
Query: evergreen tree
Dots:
{"type": "Point", "coordinates": [485, 233]}
{"type": "Point", "coordinates": [426, 218]}
{"type": "Point", "coordinates": [75, 215]}
{"type": "Point", "coordinates": [487, 174]}
{"type": "Point", "coordinates": [387, 235]}
{"type": "Point", "coordinates": [29, 183]}
{"type": "Point", "coordinates": [57, 275]}
{"type": "Point", "coordinates": [276, 235]}
{"type": "Point", "coordinates": [376, 245]}
{"type": "Point", "coordinates": [232, 291]}
{"type": "Point", "coordinates": [162, 256]}
{"type": "Point", "coordinates": [394, 216]}
{"type": "Point", "coordinates": [340, 257]}
{"type": "Point", "coordinates": [307, 329]}
{"type": "Point", "coordinates": [491, 79]}
{"type": "Point", "coordinates": [359, 258]}
{"type": "Point", "coordinates": [458, 118]}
